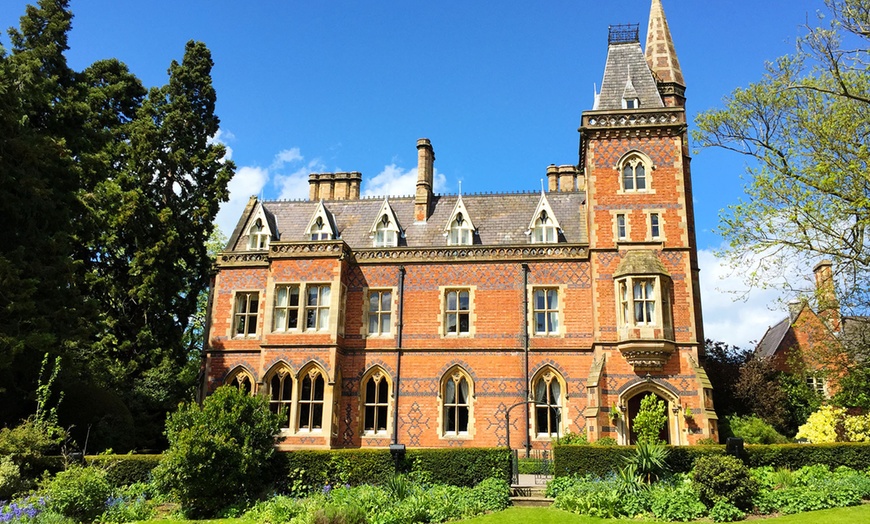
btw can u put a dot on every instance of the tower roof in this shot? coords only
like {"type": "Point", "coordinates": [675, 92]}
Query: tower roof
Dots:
{"type": "Point", "coordinates": [626, 73]}
{"type": "Point", "coordinates": [660, 53]}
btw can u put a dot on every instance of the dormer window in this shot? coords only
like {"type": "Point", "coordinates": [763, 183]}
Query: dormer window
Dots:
{"type": "Point", "coordinates": [258, 235]}
{"type": "Point", "coordinates": [630, 103]}
{"type": "Point", "coordinates": [319, 231]}
{"type": "Point", "coordinates": [544, 231]}
{"type": "Point", "coordinates": [320, 226]}
{"type": "Point", "coordinates": [459, 229]}
{"type": "Point", "coordinates": [385, 233]}
{"type": "Point", "coordinates": [544, 228]}
{"type": "Point", "coordinates": [460, 232]}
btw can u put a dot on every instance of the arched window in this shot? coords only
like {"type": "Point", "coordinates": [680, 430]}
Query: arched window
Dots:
{"type": "Point", "coordinates": [544, 230]}
{"type": "Point", "coordinates": [258, 235]}
{"type": "Point", "coordinates": [319, 230]}
{"type": "Point", "coordinates": [376, 403]}
{"type": "Point", "coordinates": [456, 397]}
{"type": "Point", "coordinates": [242, 381]}
{"type": "Point", "coordinates": [311, 395]}
{"type": "Point", "coordinates": [281, 394]}
{"type": "Point", "coordinates": [548, 404]}
{"type": "Point", "coordinates": [634, 174]}
{"type": "Point", "coordinates": [460, 233]}
{"type": "Point", "coordinates": [385, 233]}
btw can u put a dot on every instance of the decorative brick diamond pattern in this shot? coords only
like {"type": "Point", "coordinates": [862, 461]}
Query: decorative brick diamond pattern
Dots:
{"type": "Point", "coordinates": [348, 433]}
{"type": "Point", "coordinates": [419, 387]}
{"type": "Point", "coordinates": [415, 424]}
{"type": "Point", "coordinates": [574, 274]}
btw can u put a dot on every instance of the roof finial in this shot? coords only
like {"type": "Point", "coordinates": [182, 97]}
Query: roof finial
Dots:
{"type": "Point", "coordinates": [542, 186]}
{"type": "Point", "coordinates": [460, 189]}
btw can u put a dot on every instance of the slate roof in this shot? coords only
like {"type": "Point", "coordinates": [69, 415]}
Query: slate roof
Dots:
{"type": "Point", "coordinates": [501, 219]}
{"type": "Point", "coordinates": [772, 339]}
{"type": "Point", "coordinates": [626, 61]}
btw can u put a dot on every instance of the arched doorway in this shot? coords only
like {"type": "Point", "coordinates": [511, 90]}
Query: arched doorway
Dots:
{"type": "Point", "coordinates": [634, 407]}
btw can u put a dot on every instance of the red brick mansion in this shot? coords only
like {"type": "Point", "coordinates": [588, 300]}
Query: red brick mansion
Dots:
{"type": "Point", "coordinates": [422, 320]}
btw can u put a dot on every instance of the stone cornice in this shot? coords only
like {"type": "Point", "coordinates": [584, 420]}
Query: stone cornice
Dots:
{"type": "Point", "coordinates": [658, 121]}
{"type": "Point", "coordinates": [338, 249]}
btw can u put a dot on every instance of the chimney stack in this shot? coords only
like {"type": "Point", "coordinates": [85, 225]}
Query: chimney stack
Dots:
{"type": "Point", "coordinates": [334, 186]}
{"type": "Point", "coordinates": [425, 179]}
{"type": "Point", "coordinates": [826, 296]}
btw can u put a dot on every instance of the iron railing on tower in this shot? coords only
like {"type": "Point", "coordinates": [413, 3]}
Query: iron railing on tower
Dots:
{"type": "Point", "coordinates": [623, 34]}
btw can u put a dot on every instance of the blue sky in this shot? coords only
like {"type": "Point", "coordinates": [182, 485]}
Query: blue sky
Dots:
{"type": "Point", "coordinates": [497, 86]}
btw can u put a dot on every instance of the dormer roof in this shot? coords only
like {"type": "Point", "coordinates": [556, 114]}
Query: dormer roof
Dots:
{"type": "Point", "coordinates": [459, 209]}
{"type": "Point", "coordinates": [544, 207]}
{"type": "Point", "coordinates": [322, 217]}
{"type": "Point", "coordinates": [391, 222]}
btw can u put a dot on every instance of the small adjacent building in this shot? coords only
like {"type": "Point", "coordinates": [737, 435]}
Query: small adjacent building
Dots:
{"type": "Point", "coordinates": [452, 320]}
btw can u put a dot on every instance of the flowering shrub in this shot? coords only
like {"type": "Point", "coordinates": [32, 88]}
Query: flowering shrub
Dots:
{"type": "Point", "coordinates": [857, 428]}
{"type": "Point", "coordinates": [821, 426]}
{"type": "Point", "coordinates": [23, 511]}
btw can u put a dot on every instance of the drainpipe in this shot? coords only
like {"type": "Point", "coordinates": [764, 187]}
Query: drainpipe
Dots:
{"type": "Point", "coordinates": [399, 323]}
{"type": "Point", "coordinates": [525, 323]}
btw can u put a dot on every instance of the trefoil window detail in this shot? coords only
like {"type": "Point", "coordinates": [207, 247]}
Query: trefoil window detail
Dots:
{"type": "Point", "coordinates": [281, 395]}
{"type": "Point", "coordinates": [548, 405]}
{"type": "Point", "coordinates": [258, 235]}
{"type": "Point", "coordinates": [456, 404]}
{"type": "Point", "coordinates": [634, 175]}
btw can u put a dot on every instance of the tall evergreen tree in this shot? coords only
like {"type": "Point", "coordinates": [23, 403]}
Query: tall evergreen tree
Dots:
{"type": "Point", "coordinates": [41, 307]}
{"type": "Point", "coordinates": [110, 193]}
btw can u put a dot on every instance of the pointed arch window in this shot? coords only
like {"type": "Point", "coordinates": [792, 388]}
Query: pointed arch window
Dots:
{"type": "Point", "coordinates": [460, 233]}
{"type": "Point", "coordinates": [320, 230]}
{"type": "Point", "coordinates": [242, 381]}
{"type": "Point", "coordinates": [281, 395]}
{"type": "Point", "coordinates": [635, 174]}
{"type": "Point", "coordinates": [376, 403]}
{"type": "Point", "coordinates": [311, 396]}
{"type": "Point", "coordinates": [386, 232]}
{"type": "Point", "coordinates": [258, 235]}
{"type": "Point", "coordinates": [456, 397]}
{"type": "Point", "coordinates": [545, 230]}
{"type": "Point", "coordinates": [548, 404]}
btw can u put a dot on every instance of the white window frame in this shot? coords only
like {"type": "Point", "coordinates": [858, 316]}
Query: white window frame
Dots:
{"type": "Point", "coordinates": [552, 408]}
{"type": "Point", "coordinates": [383, 317]}
{"type": "Point", "coordinates": [242, 302]}
{"type": "Point", "coordinates": [258, 235]}
{"type": "Point", "coordinates": [312, 375]}
{"type": "Point", "coordinates": [458, 312]}
{"type": "Point", "coordinates": [287, 308]}
{"type": "Point", "coordinates": [545, 230]}
{"type": "Point", "coordinates": [320, 308]}
{"type": "Point", "coordinates": [547, 311]}
{"type": "Point", "coordinates": [621, 226]}
{"type": "Point", "coordinates": [460, 233]}
{"type": "Point", "coordinates": [378, 406]}
{"type": "Point", "coordinates": [452, 420]}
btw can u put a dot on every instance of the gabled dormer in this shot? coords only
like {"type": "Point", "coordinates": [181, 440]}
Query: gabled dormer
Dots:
{"type": "Point", "coordinates": [544, 228]}
{"type": "Point", "coordinates": [385, 230]}
{"type": "Point", "coordinates": [260, 231]}
{"type": "Point", "coordinates": [630, 100]}
{"type": "Point", "coordinates": [321, 226]}
{"type": "Point", "coordinates": [459, 229]}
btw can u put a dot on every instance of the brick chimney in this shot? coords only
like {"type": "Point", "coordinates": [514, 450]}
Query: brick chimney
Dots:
{"type": "Point", "coordinates": [563, 178]}
{"type": "Point", "coordinates": [425, 179]}
{"type": "Point", "coordinates": [826, 296]}
{"type": "Point", "coordinates": [334, 186]}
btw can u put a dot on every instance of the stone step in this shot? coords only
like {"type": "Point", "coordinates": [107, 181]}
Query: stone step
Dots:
{"type": "Point", "coordinates": [531, 501]}
{"type": "Point", "coordinates": [527, 491]}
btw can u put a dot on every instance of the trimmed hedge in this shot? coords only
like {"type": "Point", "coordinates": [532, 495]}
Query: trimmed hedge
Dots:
{"type": "Point", "coordinates": [313, 469]}
{"type": "Point", "coordinates": [462, 466]}
{"type": "Point", "coordinates": [123, 470]}
{"type": "Point", "coordinates": [593, 460]}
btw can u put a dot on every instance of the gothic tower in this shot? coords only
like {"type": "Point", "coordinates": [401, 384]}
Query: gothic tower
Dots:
{"type": "Point", "coordinates": [648, 334]}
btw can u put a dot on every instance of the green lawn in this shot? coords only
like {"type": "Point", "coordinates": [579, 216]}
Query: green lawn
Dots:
{"type": "Point", "coordinates": [851, 515]}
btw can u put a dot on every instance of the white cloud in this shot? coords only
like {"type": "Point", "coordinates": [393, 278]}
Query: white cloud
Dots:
{"type": "Point", "coordinates": [395, 181]}
{"type": "Point", "coordinates": [295, 185]}
{"type": "Point", "coordinates": [730, 314]}
{"type": "Point", "coordinates": [286, 156]}
{"type": "Point", "coordinates": [222, 137]}
{"type": "Point", "coordinates": [246, 182]}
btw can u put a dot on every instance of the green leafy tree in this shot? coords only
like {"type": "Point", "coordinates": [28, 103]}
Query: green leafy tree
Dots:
{"type": "Point", "coordinates": [722, 364]}
{"type": "Point", "coordinates": [783, 400]}
{"type": "Point", "coordinates": [650, 420]}
{"type": "Point", "coordinates": [804, 128]}
{"type": "Point", "coordinates": [219, 452]}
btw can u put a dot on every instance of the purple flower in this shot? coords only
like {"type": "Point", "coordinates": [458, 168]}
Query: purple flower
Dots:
{"type": "Point", "coordinates": [326, 489]}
